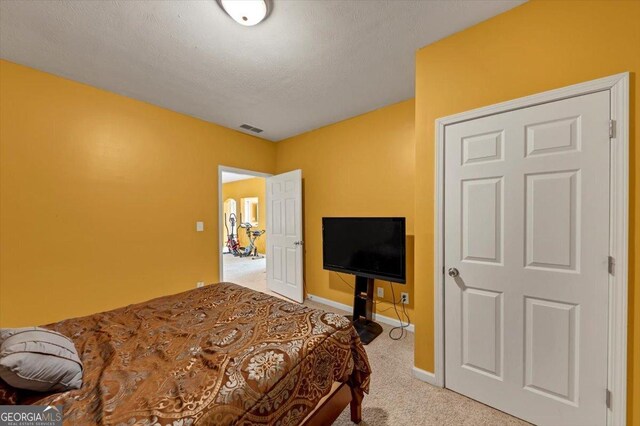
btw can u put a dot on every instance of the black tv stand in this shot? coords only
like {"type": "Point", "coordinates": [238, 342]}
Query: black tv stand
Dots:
{"type": "Point", "coordinates": [362, 317]}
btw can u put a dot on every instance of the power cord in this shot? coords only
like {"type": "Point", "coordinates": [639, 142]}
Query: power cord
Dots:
{"type": "Point", "coordinates": [402, 326]}
{"type": "Point", "coordinates": [344, 281]}
{"type": "Point", "coordinates": [375, 302]}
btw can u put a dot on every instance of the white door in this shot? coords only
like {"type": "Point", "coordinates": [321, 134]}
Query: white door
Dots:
{"type": "Point", "coordinates": [527, 227]}
{"type": "Point", "coordinates": [284, 235]}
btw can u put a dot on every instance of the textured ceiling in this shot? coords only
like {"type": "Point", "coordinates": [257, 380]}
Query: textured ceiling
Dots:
{"type": "Point", "coordinates": [311, 63]}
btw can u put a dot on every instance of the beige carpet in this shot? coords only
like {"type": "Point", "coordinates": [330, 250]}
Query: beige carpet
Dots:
{"type": "Point", "coordinates": [396, 397]}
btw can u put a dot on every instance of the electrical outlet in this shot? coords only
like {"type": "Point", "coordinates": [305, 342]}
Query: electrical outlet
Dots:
{"type": "Point", "coordinates": [381, 292]}
{"type": "Point", "coordinates": [404, 298]}
{"type": "Point", "coordinates": [200, 284]}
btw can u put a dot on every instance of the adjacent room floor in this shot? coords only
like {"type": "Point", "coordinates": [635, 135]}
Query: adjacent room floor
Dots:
{"type": "Point", "coordinates": [248, 272]}
{"type": "Point", "coordinates": [396, 397]}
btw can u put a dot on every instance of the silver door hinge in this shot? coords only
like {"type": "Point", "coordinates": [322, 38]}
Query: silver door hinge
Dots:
{"type": "Point", "coordinates": [612, 128]}
{"type": "Point", "coordinates": [608, 399]}
{"type": "Point", "coordinates": [612, 265]}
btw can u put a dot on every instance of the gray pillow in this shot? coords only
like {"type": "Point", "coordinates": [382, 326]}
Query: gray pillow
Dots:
{"type": "Point", "coordinates": [38, 359]}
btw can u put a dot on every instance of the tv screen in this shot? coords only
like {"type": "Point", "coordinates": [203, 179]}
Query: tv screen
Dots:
{"type": "Point", "coordinates": [371, 247]}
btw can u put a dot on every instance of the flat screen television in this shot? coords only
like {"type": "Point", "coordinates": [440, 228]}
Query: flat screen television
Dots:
{"type": "Point", "coordinates": [370, 247]}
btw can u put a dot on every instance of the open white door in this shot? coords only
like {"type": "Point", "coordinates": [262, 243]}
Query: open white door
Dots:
{"type": "Point", "coordinates": [284, 235]}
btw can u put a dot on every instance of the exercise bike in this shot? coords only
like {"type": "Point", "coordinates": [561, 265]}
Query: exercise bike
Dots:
{"type": "Point", "coordinates": [233, 245]}
{"type": "Point", "coordinates": [251, 249]}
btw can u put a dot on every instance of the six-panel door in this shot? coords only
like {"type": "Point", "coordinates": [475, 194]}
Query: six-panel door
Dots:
{"type": "Point", "coordinates": [526, 225]}
{"type": "Point", "coordinates": [284, 235]}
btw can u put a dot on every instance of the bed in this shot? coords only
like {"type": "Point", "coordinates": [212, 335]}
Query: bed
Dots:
{"type": "Point", "coordinates": [221, 354]}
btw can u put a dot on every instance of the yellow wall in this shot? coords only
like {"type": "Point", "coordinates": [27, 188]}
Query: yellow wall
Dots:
{"type": "Point", "coordinates": [358, 167]}
{"type": "Point", "coordinates": [99, 195]}
{"type": "Point", "coordinates": [237, 190]}
{"type": "Point", "coordinates": [539, 46]}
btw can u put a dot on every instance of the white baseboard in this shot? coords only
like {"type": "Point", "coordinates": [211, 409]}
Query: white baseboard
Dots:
{"type": "Point", "coordinates": [425, 376]}
{"type": "Point", "coordinates": [380, 318]}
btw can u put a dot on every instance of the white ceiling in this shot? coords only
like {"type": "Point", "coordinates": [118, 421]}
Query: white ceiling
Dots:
{"type": "Point", "coordinates": [311, 63]}
{"type": "Point", "coordinates": [233, 177]}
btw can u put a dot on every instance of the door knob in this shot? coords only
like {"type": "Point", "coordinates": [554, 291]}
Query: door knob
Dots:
{"type": "Point", "coordinates": [453, 272]}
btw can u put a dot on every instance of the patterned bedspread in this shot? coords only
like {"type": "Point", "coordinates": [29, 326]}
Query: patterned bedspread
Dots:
{"type": "Point", "coordinates": [221, 354]}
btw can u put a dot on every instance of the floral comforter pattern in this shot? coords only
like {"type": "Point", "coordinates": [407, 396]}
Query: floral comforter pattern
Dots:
{"type": "Point", "coordinates": [219, 355]}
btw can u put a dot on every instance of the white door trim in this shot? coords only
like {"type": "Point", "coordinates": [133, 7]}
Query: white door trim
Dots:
{"type": "Point", "coordinates": [221, 169]}
{"type": "Point", "coordinates": [618, 85]}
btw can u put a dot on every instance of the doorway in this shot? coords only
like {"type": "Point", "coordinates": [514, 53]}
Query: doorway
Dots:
{"type": "Point", "coordinates": [243, 228]}
{"type": "Point", "coordinates": [260, 222]}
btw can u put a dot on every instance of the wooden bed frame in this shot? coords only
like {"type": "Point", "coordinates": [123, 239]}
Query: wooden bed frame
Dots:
{"type": "Point", "coordinates": [332, 405]}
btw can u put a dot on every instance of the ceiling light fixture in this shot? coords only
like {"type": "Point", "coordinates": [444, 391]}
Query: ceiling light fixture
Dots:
{"type": "Point", "coordinates": [246, 12]}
